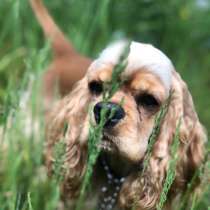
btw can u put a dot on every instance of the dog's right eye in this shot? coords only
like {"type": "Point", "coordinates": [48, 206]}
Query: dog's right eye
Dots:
{"type": "Point", "coordinates": [148, 101]}
{"type": "Point", "coordinates": [95, 87]}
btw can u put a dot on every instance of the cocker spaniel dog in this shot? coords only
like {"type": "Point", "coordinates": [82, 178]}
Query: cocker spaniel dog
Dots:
{"type": "Point", "coordinates": [149, 77]}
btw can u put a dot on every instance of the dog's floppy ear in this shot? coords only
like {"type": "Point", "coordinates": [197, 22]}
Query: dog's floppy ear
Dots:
{"type": "Point", "coordinates": [71, 112]}
{"type": "Point", "coordinates": [145, 190]}
{"type": "Point", "coordinates": [192, 137]}
{"type": "Point", "coordinates": [191, 134]}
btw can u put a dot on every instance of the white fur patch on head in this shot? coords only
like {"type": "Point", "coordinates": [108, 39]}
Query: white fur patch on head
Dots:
{"type": "Point", "coordinates": [141, 56]}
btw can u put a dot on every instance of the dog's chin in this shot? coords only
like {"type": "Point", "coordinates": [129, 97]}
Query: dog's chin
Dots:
{"type": "Point", "coordinates": [120, 164]}
{"type": "Point", "coordinates": [109, 144]}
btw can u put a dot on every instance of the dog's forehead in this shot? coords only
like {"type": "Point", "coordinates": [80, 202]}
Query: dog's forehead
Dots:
{"type": "Point", "coordinates": [140, 56]}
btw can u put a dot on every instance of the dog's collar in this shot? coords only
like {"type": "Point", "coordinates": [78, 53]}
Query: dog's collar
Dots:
{"type": "Point", "coordinates": [113, 183]}
{"type": "Point", "coordinates": [110, 190]}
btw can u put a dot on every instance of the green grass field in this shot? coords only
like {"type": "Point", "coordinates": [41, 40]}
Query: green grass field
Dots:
{"type": "Point", "coordinates": [179, 28]}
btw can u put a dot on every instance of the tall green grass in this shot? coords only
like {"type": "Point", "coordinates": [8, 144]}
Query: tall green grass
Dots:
{"type": "Point", "coordinates": [96, 131]}
{"type": "Point", "coordinates": [23, 177]}
{"type": "Point", "coordinates": [171, 172]}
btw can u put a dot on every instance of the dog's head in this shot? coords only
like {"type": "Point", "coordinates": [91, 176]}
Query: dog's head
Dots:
{"type": "Point", "coordinates": [146, 85]}
{"type": "Point", "coordinates": [147, 81]}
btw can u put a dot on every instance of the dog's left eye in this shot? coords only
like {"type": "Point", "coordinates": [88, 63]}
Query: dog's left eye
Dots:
{"type": "Point", "coordinates": [147, 101]}
{"type": "Point", "coordinates": [95, 87]}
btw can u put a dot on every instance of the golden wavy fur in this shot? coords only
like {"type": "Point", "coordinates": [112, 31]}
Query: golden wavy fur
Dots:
{"type": "Point", "coordinates": [143, 94]}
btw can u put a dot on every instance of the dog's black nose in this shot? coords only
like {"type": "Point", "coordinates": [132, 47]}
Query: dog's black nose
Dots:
{"type": "Point", "coordinates": [113, 113]}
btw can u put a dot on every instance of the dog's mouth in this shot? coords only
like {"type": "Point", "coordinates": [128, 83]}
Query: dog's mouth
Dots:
{"type": "Point", "coordinates": [108, 143]}
{"type": "Point", "coordinates": [118, 164]}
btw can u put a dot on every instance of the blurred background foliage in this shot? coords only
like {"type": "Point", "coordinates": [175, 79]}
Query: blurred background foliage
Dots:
{"type": "Point", "coordinates": [180, 28]}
